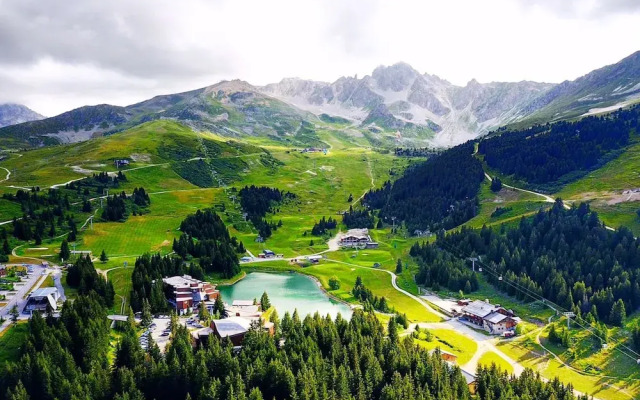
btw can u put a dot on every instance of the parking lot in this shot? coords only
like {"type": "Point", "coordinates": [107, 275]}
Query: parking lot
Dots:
{"type": "Point", "coordinates": [18, 296]}
{"type": "Point", "coordinates": [160, 330]}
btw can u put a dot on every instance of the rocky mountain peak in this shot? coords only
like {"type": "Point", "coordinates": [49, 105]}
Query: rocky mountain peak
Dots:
{"type": "Point", "coordinates": [396, 77]}
{"type": "Point", "coordinates": [12, 114]}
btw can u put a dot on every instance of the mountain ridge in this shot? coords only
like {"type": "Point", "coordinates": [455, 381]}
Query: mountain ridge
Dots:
{"type": "Point", "coordinates": [396, 105]}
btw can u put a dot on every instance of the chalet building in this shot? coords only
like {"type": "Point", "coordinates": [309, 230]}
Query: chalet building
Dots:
{"type": "Point", "coordinates": [120, 163]}
{"type": "Point", "coordinates": [39, 299]}
{"type": "Point", "coordinates": [357, 238]}
{"type": "Point", "coordinates": [492, 318]}
{"type": "Point", "coordinates": [446, 356]}
{"type": "Point", "coordinates": [185, 293]}
{"type": "Point", "coordinates": [472, 383]}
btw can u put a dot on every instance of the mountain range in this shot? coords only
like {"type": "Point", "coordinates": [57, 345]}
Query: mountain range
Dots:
{"type": "Point", "coordinates": [395, 105]}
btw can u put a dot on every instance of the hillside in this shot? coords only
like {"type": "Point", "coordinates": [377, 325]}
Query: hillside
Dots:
{"type": "Point", "coordinates": [193, 156]}
{"type": "Point", "coordinates": [230, 109]}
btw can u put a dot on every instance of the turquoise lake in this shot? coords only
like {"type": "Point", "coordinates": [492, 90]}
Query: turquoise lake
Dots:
{"type": "Point", "coordinates": [287, 292]}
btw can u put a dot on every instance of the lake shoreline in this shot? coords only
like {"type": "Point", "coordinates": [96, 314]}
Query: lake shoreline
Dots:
{"type": "Point", "coordinates": [301, 273]}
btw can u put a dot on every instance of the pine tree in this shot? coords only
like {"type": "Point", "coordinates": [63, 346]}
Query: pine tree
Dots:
{"type": "Point", "coordinates": [618, 313]}
{"type": "Point", "coordinates": [265, 304]}
{"type": "Point", "coordinates": [399, 266]}
{"type": "Point", "coordinates": [65, 253]}
{"type": "Point", "coordinates": [218, 307]}
{"type": "Point", "coordinates": [203, 312]}
{"type": "Point", "coordinates": [103, 256]}
{"type": "Point", "coordinates": [14, 314]}
{"type": "Point", "coordinates": [146, 313]}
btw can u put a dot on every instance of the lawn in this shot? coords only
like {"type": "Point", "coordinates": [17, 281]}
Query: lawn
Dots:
{"type": "Point", "coordinates": [378, 281]}
{"type": "Point", "coordinates": [490, 357]}
{"type": "Point", "coordinates": [11, 339]}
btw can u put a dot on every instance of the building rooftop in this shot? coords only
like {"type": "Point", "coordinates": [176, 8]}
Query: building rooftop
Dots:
{"type": "Point", "coordinates": [479, 308]}
{"type": "Point", "coordinates": [231, 326]}
{"type": "Point", "coordinates": [359, 233]}
{"type": "Point", "coordinates": [468, 376]}
{"type": "Point", "coordinates": [44, 292]}
{"type": "Point", "coordinates": [495, 318]}
{"type": "Point", "coordinates": [242, 303]}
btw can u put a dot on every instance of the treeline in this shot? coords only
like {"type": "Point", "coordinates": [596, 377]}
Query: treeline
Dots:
{"type": "Point", "coordinates": [545, 153]}
{"type": "Point", "coordinates": [97, 183]}
{"type": "Point", "coordinates": [68, 357]}
{"type": "Point", "coordinates": [257, 201]}
{"type": "Point", "coordinates": [359, 218]}
{"type": "Point", "coordinates": [440, 193]}
{"type": "Point", "coordinates": [438, 268]}
{"type": "Point", "coordinates": [206, 237]}
{"type": "Point", "coordinates": [5, 249]}
{"type": "Point", "coordinates": [415, 152]}
{"type": "Point", "coordinates": [119, 206]}
{"type": "Point", "coordinates": [83, 276]}
{"type": "Point", "coordinates": [366, 297]}
{"type": "Point", "coordinates": [567, 256]}
{"type": "Point", "coordinates": [323, 226]}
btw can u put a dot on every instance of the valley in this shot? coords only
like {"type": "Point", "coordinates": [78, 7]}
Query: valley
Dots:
{"type": "Point", "coordinates": [161, 154]}
{"type": "Point", "coordinates": [452, 198]}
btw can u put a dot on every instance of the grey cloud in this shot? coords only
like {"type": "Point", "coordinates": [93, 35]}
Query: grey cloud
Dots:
{"type": "Point", "coordinates": [129, 37]}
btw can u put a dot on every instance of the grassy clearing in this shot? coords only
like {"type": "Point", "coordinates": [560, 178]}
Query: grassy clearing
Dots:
{"type": "Point", "coordinates": [121, 279]}
{"type": "Point", "coordinates": [378, 281]}
{"type": "Point", "coordinates": [11, 339]}
{"type": "Point", "coordinates": [452, 342]}
{"type": "Point", "coordinates": [152, 232]}
{"type": "Point", "coordinates": [490, 357]}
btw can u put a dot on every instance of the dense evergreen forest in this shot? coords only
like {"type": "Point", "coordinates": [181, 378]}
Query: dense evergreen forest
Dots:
{"type": "Point", "coordinates": [118, 207]}
{"type": "Point", "coordinates": [324, 226]}
{"type": "Point", "coordinates": [358, 218]}
{"type": "Point", "coordinates": [148, 270]}
{"type": "Point", "coordinates": [206, 237]}
{"type": "Point", "coordinates": [567, 256]}
{"type": "Point", "coordinates": [439, 268]}
{"type": "Point", "coordinates": [82, 275]}
{"type": "Point", "coordinates": [68, 358]}
{"type": "Point", "coordinates": [257, 201]}
{"type": "Point", "coordinates": [43, 214]}
{"type": "Point", "coordinates": [546, 153]}
{"type": "Point", "coordinates": [440, 193]}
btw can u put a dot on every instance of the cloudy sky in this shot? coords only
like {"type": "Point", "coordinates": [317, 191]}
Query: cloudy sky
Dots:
{"type": "Point", "coordinates": [58, 55]}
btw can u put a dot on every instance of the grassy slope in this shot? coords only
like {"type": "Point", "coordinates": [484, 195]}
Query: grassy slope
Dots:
{"type": "Point", "coordinates": [490, 357]}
